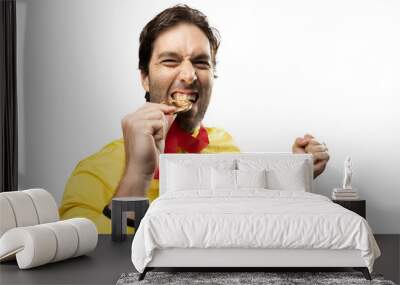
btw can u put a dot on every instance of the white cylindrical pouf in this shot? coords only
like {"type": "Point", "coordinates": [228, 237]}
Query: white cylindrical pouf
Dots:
{"type": "Point", "coordinates": [34, 245]}
{"type": "Point", "coordinates": [46, 206]}
{"type": "Point", "coordinates": [67, 239]}
{"type": "Point", "coordinates": [40, 244]}
{"type": "Point", "coordinates": [87, 234]}
{"type": "Point", "coordinates": [23, 208]}
{"type": "Point", "coordinates": [7, 217]}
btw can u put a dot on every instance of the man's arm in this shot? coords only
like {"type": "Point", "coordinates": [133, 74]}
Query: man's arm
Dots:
{"type": "Point", "coordinates": [131, 184]}
{"type": "Point", "coordinates": [85, 196]}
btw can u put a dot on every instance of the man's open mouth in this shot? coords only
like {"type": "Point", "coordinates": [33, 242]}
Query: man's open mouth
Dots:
{"type": "Point", "coordinates": [182, 99]}
{"type": "Point", "coordinates": [191, 96]}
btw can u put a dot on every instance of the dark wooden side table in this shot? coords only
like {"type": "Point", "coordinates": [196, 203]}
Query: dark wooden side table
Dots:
{"type": "Point", "coordinates": [120, 206]}
{"type": "Point", "coordinates": [357, 206]}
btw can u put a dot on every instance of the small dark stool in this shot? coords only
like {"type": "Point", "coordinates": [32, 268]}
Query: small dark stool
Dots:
{"type": "Point", "coordinates": [120, 206]}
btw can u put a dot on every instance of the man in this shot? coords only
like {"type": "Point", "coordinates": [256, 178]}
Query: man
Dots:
{"type": "Point", "coordinates": [177, 55]}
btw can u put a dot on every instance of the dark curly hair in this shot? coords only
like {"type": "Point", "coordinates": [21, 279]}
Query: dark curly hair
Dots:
{"type": "Point", "coordinates": [166, 19]}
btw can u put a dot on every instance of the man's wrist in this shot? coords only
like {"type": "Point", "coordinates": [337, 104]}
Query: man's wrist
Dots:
{"type": "Point", "coordinates": [133, 184]}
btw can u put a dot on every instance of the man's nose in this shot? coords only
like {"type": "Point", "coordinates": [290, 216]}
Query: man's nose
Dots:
{"type": "Point", "coordinates": [187, 73]}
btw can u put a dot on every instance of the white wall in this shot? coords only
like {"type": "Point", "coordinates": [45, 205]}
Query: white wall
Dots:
{"type": "Point", "coordinates": [285, 68]}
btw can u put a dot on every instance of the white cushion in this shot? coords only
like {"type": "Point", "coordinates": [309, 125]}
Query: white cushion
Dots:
{"type": "Point", "coordinates": [7, 220]}
{"type": "Point", "coordinates": [67, 238]}
{"type": "Point", "coordinates": [45, 205]}
{"type": "Point", "coordinates": [26, 208]}
{"type": "Point", "coordinates": [175, 174]}
{"type": "Point", "coordinates": [87, 235]}
{"type": "Point", "coordinates": [282, 174]}
{"type": "Point", "coordinates": [181, 178]}
{"type": "Point", "coordinates": [34, 244]}
{"type": "Point", "coordinates": [294, 179]}
{"type": "Point", "coordinates": [23, 208]}
{"type": "Point", "coordinates": [227, 179]}
{"type": "Point", "coordinates": [40, 244]}
{"type": "Point", "coordinates": [251, 178]}
{"type": "Point", "coordinates": [223, 179]}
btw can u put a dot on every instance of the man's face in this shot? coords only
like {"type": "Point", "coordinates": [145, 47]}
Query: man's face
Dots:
{"type": "Point", "coordinates": [181, 62]}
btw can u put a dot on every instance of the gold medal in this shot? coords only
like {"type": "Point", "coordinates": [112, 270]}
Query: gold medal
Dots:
{"type": "Point", "coordinates": [181, 101]}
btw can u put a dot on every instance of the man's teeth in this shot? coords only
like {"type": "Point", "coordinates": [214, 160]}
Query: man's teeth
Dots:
{"type": "Point", "coordinates": [184, 96]}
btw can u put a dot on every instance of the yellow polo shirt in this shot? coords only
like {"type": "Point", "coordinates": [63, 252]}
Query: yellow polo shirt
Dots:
{"type": "Point", "coordinates": [95, 179]}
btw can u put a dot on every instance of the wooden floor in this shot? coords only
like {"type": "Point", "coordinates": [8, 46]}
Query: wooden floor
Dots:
{"type": "Point", "coordinates": [389, 262]}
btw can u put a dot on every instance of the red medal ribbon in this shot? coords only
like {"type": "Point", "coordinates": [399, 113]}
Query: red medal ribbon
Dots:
{"type": "Point", "coordinates": [176, 137]}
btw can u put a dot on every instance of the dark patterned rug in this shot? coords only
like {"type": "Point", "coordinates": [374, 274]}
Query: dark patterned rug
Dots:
{"type": "Point", "coordinates": [270, 278]}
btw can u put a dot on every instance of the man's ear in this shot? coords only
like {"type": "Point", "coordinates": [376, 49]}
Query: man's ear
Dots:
{"type": "Point", "coordinates": [145, 80]}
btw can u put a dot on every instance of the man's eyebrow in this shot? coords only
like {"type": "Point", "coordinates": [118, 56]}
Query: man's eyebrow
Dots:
{"type": "Point", "coordinates": [203, 56]}
{"type": "Point", "coordinates": [168, 54]}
